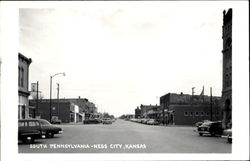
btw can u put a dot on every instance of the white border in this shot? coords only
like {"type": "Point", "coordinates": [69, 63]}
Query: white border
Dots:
{"type": "Point", "coordinates": [9, 50]}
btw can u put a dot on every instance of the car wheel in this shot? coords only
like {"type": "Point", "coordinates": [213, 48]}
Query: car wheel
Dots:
{"type": "Point", "coordinates": [24, 140]}
{"type": "Point", "coordinates": [32, 140]}
{"type": "Point", "coordinates": [229, 140]}
{"type": "Point", "coordinates": [49, 134]}
{"type": "Point", "coordinates": [200, 134]}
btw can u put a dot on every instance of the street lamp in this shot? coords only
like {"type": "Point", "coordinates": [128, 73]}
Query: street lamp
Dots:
{"type": "Point", "coordinates": [51, 92]}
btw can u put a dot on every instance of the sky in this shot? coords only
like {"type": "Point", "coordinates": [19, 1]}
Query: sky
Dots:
{"type": "Point", "coordinates": [120, 57]}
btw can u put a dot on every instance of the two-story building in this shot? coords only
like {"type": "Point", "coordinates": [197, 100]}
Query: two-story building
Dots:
{"type": "Point", "coordinates": [23, 86]}
{"type": "Point", "coordinates": [184, 109]}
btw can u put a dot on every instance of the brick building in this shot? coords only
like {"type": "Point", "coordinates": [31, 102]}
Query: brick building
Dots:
{"type": "Point", "coordinates": [184, 109]}
{"type": "Point", "coordinates": [227, 69]}
{"type": "Point", "coordinates": [23, 86]}
{"type": "Point", "coordinates": [149, 111]}
{"type": "Point", "coordinates": [67, 110]}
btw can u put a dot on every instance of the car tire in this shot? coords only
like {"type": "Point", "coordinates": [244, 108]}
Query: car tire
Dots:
{"type": "Point", "coordinates": [49, 134]}
{"type": "Point", "coordinates": [229, 140]}
{"type": "Point", "coordinates": [24, 140]}
{"type": "Point", "coordinates": [32, 140]}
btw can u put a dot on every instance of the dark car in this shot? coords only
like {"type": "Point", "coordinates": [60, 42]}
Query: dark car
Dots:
{"type": "Point", "coordinates": [211, 128]}
{"type": "Point", "coordinates": [92, 121]}
{"type": "Point", "coordinates": [55, 120]}
{"type": "Point", "coordinates": [107, 121]}
{"type": "Point", "coordinates": [49, 129]}
{"type": "Point", "coordinates": [197, 124]}
{"type": "Point", "coordinates": [29, 130]}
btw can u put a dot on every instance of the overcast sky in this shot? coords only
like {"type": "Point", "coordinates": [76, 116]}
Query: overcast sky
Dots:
{"type": "Point", "coordinates": [122, 56]}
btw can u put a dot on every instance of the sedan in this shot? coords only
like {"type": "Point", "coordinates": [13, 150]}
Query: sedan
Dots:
{"type": "Point", "coordinates": [107, 121]}
{"type": "Point", "coordinates": [211, 128]}
{"type": "Point", "coordinates": [49, 129]}
{"type": "Point", "coordinates": [152, 122]}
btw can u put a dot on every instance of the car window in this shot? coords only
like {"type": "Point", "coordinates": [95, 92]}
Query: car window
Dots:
{"type": "Point", "coordinates": [33, 123]}
{"type": "Point", "coordinates": [21, 124]}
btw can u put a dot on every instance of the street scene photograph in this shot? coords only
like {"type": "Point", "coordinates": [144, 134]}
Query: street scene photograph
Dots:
{"type": "Point", "coordinates": [125, 79]}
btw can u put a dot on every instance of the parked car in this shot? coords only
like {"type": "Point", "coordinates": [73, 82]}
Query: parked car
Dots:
{"type": "Point", "coordinates": [144, 121]}
{"type": "Point", "coordinates": [152, 122]}
{"type": "Point", "coordinates": [138, 120]}
{"type": "Point", "coordinates": [29, 130]}
{"type": "Point", "coordinates": [211, 128]}
{"type": "Point", "coordinates": [107, 121]}
{"type": "Point", "coordinates": [92, 121]}
{"type": "Point", "coordinates": [197, 124]}
{"type": "Point", "coordinates": [228, 135]}
{"type": "Point", "coordinates": [49, 129]}
{"type": "Point", "coordinates": [55, 120]}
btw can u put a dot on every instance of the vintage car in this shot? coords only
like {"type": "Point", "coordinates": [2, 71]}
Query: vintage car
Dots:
{"type": "Point", "coordinates": [92, 121]}
{"type": "Point", "coordinates": [49, 129]}
{"type": "Point", "coordinates": [107, 121]}
{"type": "Point", "coordinates": [197, 124]}
{"type": "Point", "coordinates": [211, 128]}
{"type": "Point", "coordinates": [228, 135]}
{"type": "Point", "coordinates": [144, 120]}
{"type": "Point", "coordinates": [152, 122]}
{"type": "Point", "coordinates": [29, 130]}
{"type": "Point", "coordinates": [55, 120]}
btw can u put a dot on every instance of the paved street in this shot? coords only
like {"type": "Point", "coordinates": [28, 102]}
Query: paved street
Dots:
{"type": "Point", "coordinates": [127, 137]}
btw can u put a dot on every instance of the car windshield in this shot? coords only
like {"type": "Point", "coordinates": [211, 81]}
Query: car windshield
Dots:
{"type": "Point", "coordinates": [44, 123]}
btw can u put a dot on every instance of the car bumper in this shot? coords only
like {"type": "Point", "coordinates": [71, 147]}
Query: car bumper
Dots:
{"type": "Point", "coordinates": [226, 136]}
{"type": "Point", "coordinates": [204, 132]}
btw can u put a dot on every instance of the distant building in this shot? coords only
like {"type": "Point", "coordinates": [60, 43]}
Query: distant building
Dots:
{"type": "Point", "coordinates": [23, 86]}
{"type": "Point", "coordinates": [184, 109]}
{"type": "Point", "coordinates": [227, 69]}
{"type": "Point", "coordinates": [150, 111]}
{"type": "Point", "coordinates": [137, 113]}
{"type": "Point", "coordinates": [66, 110]}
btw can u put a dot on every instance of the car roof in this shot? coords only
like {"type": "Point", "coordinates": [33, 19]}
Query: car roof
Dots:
{"type": "Point", "coordinates": [30, 119]}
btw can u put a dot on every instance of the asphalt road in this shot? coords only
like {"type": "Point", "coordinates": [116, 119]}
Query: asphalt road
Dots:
{"type": "Point", "coordinates": [127, 137]}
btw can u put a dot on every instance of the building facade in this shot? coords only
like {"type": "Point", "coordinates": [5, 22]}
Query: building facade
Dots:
{"type": "Point", "coordinates": [23, 86]}
{"type": "Point", "coordinates": [137, 113]}
{"type": "Point", "coordinates": [150, 111]}
{"type": "Point", "coordinates": [184, 109]}
{"type": "Point", "coordinates": [227, 69]}
{"type": "Point", "coordinates": [66, 110]}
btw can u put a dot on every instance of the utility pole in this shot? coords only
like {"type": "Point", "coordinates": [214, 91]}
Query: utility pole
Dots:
{"type": "Point", "coordinates": [37, 111]}
{"type": "Point", "coordinates": [58, 100]}
{"type": "Point", "coordinates": [211, 105]}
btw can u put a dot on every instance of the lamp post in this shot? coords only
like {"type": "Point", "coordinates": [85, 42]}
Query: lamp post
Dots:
{"type": "Point", "coordinates": [50, 112]}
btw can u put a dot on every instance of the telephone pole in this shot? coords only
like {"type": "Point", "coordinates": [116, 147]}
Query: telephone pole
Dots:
{"type": "Point", "coordinates": [211, 104]}
{"type": "Point", "coordinates": [58, 100]}
{"type": "Point", "coordinates": [37, 111]}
